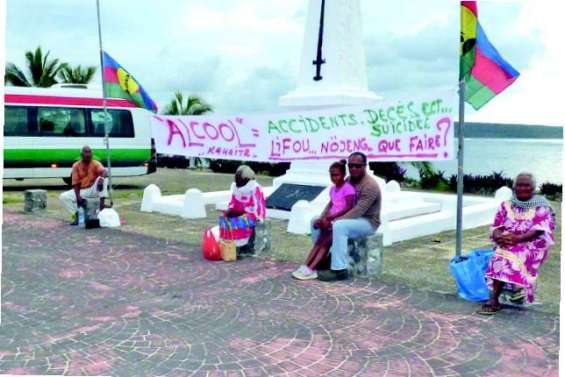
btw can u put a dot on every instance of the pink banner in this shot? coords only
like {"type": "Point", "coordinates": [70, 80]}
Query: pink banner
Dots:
{"type": "Point", "coordinates": [401, 130]}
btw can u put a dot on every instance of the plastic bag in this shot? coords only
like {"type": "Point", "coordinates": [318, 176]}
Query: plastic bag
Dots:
{"type": "Point", "coordinates": [108, 217]}
{"type": "Point", "coordinates": [469, 273]}
{"type": "Point", "coordinates": [210, 246]}
{"type": "Point", "coordinates": [483, 257]}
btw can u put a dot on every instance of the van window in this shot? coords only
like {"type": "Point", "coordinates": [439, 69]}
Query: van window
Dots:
{"type": "Point", "coordinates": [59, 121]}
{"type": "Point", "coordinates": [120, 121]}
{"type": "Point", "coordinates": [16, 121]}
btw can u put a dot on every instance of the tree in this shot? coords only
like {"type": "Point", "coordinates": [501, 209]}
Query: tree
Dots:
{"type": "Point", "coordinates": [396, 170]}
{"type": "Point", "coordinates": [42, 70]}
{"type": "Point", "coordinates": [193, 105]}
{"type": "Point", "coordinates": [77, 75]}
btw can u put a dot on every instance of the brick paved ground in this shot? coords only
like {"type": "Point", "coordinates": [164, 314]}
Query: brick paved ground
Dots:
{"type": "Point", "coordinates": [128, 305]}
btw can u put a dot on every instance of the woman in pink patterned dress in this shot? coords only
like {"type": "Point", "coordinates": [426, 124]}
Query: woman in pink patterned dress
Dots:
{"type": "Point", "coordinates": [246, 207]}
{"type": "Point", "coordinates": [522, 233]}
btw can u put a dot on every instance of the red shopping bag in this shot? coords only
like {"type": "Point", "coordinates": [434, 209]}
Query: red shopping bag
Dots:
{"type": "Point", "coordinates": [210, 246]}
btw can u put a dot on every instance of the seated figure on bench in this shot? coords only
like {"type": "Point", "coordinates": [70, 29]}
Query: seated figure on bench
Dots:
{"type": "Point", "coordinates": [88, 181]}
{"type": "Point", "coordinates": [361, 221]}
{"type": "Point", "coordinates": [342, 200]}
{"type": "Point", "coordinates": [246, 207]}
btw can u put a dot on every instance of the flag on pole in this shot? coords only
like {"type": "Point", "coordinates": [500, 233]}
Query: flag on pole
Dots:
{"type": "Point", "coordinates": [485, 72]}
{"type": "Point", "coordinates": [119, 83]}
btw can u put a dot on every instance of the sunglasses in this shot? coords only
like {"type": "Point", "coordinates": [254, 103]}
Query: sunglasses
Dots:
{"type": "Point", "coordinates": [355, 166]}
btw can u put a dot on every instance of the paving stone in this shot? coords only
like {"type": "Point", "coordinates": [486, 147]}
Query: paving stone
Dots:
{"type": "Point", "coordinates": [132, 305]}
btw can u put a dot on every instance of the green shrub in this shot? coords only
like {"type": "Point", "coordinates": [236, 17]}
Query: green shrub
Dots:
{"type": "Point", "coordinates": [433, 180]}
{"type": "Point", "coordinates": [552, 191]}
{"type": "Point", "coordinates": [230, 166]}
{"type": "Point", "coordinates": [388, 171]}
{"type": "Point", "coordinates": [11, 199]}
{"type": "Point", "coordinates": [481, 184]}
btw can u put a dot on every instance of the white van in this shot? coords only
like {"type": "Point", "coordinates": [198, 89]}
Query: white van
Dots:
{"type": "Point", "coordinates": [45, 129]}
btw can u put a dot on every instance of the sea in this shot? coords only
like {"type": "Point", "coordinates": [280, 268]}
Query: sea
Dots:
{"type": "Point", "coordinates": [541, 157]}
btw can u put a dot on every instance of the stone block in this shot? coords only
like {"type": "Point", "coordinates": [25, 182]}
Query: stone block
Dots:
{"type": "Point", "coordinates": [503, 193]}
{"type": "Point", "coordinates": [92, 208]}
{"type": "Point", "coordinates": [35, 200]}
{"type": "Point", "coordinates": [263, 237]}
{"type": "Point", "coordinates": [392, 186]}
{"type": "Point", "coordinates": [300, 218]}
{"type": "Point", "coordinates": [366, 256]}
{"type": "Point", "coordinates": [260, 242]}
{"type": "Point", "coordinates": [375, 255]}
{"type": "Point", "coordinates": [193, 205]}
{"type": "Point", "coordinates": [151, 194]}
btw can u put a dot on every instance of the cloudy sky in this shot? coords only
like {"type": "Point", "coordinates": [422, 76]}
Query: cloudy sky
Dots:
{"type": "Point", "coordinates": [242, 55]}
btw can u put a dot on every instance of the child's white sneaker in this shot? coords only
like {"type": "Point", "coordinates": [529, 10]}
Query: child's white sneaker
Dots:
{"type": "Point", "coordinates": [299, 271]}
{"type": "Point", "coordinates": [306, 274]}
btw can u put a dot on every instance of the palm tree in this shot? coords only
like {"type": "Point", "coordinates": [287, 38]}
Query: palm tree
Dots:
{"type": "Point", "coordinates": [43, 71]}
{"type": "Point", "coordinates": [77, 75]}
{"type": "Point", "coordinates": [425, 168]}
{"type": "Point", "coordinates": [193, 105]}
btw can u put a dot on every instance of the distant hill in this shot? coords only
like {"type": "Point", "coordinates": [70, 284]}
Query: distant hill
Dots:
{"type": "Point", "coordinates": [509, 131]}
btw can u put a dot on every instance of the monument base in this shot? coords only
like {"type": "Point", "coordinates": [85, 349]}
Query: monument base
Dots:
{"type": "Point", "coordinates": [314, 173]}
{"type": "Point", "coordinates": [287, 194]}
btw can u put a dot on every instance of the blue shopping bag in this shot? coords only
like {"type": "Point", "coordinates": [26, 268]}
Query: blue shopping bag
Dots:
{"type": "Point", "coordinates": [469, 273]}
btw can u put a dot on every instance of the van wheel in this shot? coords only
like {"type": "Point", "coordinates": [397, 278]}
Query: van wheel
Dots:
{"type": "Point", "coordinates": [68, 180]}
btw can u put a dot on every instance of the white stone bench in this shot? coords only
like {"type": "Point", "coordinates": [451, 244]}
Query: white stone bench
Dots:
{"type": "Point", "coordinates": [191, 205]}
{"type": "Point", "coordinates": [395, 206]}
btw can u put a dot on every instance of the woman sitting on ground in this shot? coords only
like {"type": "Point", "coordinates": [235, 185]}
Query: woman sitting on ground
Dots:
{"type": "Point", "coordinates": [522, 233]}
{"type": "Point", "coordinates": [246, 207]}
{"type": "Point", "coordinates": [342, 199]}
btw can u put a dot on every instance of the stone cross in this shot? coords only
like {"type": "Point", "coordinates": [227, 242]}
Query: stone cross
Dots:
{"type": "Point", "coordinates": [319, 60]}
{"type": "Point", "coordinates": [338, 24]}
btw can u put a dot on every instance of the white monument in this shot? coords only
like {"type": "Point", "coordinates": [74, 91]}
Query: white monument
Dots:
{"type": "Point", "coordinates": [332, 74]}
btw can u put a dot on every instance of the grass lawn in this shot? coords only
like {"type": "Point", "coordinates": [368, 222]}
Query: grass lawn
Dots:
{"type": "Point", "coordinates": [421, 263]}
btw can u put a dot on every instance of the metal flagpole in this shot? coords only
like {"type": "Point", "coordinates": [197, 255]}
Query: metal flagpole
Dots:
{"type": "Point", "coordinates": [106, 130]}
{"type": "Point", "coordinates": [459, 231]}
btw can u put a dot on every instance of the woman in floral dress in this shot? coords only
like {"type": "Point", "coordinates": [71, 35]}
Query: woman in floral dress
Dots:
{"type": "Point", "coordinates": [246, 207]}
{"type": "Point", "coordinates": [522, 233]}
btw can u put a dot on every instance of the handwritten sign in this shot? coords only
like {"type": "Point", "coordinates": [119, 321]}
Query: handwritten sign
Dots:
{"type": "Point", "coordinates": [404, 130]}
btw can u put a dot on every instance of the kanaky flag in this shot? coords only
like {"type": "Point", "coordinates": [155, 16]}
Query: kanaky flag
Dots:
{"type": "Point", "coordinates": [485, 72]}
{"type": "Point", "coordinates": [119, 83]}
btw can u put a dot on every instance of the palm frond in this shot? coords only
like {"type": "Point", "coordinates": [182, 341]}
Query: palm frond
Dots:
{"type": "Point", "coordinates": [425, 168]}
{"type": "Point", "coordinates": [197, 106]}
{"type": "Point", "coordinates": [43, 71]}
{"type": "Point", "coordinates": [89, 74]}
{"type": "Point", "coordinates": [77, 75]}
{"type": "Point", "coordinates": [15, 76]}
{"type": "Point", "coordinates": [50, 70]}
{"type": "Point", "coordinates": [193, 105]}
{"type": "Point", "coordinates": [35, 66]}
{"type": "Point", "coordinates": [65, 74]}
